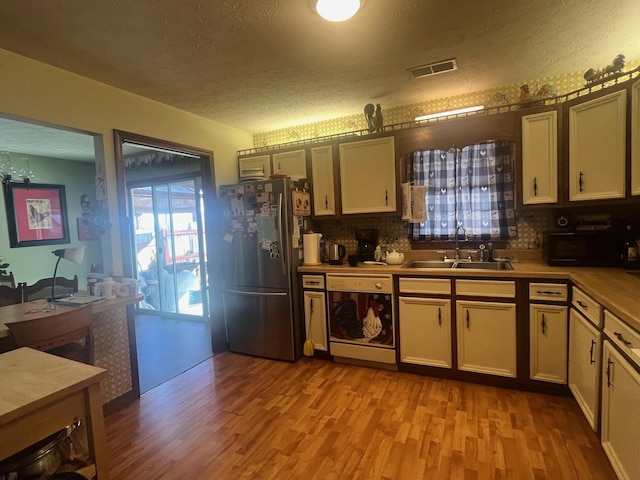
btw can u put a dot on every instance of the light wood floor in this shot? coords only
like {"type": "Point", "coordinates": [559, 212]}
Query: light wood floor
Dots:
{"type": "Point", "coordinates": [235, 416]}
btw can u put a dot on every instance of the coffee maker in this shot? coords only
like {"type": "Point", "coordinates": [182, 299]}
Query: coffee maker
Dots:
{"type": "Point", "coordinates": [367, 241]}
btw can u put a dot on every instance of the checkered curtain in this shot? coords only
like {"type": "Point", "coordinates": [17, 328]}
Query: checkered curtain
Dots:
{"type": "Point", "coordinates": [477, 181]}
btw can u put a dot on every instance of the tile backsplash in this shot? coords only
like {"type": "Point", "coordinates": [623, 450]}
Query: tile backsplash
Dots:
{"type": "Point", "coordinates": [392, 232]}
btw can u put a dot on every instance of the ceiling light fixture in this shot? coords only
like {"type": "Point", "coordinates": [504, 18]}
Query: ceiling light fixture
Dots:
{"type": "Point", "coordinates": [450, 112]}
{"type": "Point", "coordinates": [338, 10]}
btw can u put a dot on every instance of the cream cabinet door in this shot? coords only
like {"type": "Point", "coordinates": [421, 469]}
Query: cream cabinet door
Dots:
{"type": "Point", "coordinates": [259, 166]}
{"type": "Point", "coordinates": [584, 364]}
{"type": "Point", "coordinates": [635, 138]}
{"type": "Point", "coordinates": [487, 337]}
{"type": "Point", "coordinates": [294, 164]}
{"type": "Point", "coordinates": [620, 435]}
{"type": "Point", "coordinates": [368, 176]}
{"type": "Point", "coordinates": [324, 197]}
{"type": "Point", "coordinates": [548, 343]}
{"type": "Point", "coordinates": [425, 331]}
{"type": "Point", "coordinates": [597, 148]}
{"type": "Point", "coordinates": [315, 318]}
{"type": "Point", "coordinates": [540, 158]}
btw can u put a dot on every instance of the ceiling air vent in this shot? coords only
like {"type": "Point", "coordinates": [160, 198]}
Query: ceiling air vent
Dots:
{"type": "Point", "coordinates": [434, 68]}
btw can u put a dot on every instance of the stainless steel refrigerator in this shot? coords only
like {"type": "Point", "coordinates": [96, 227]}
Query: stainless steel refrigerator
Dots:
{"type": "Point", "coordinates": [262, 248]}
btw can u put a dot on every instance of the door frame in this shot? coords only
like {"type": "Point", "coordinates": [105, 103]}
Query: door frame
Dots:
{"type": "Point", "coordinates": [215, 315]}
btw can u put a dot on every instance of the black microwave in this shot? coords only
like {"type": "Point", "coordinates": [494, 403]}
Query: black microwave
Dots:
{"type": "Point", "coordinates": [594, 248]}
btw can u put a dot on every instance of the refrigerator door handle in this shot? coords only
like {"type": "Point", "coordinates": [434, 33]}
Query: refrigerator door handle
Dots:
{"type": "Point", "coordinates": [259, 294]}
{"type": "Point", "coordinates": [280, 239]}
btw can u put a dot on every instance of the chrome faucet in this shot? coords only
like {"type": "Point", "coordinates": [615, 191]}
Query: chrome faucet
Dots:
{"type": "Point", "coordinates": [466, 239]}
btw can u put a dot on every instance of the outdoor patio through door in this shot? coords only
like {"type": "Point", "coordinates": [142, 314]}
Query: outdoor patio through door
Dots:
{"type": "Point", "coordinates": [168, 247]}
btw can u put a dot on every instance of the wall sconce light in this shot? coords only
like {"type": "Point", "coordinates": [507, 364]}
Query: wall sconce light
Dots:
{"type": "Point", "coordinates": [449, 112]}
{"type": "Point", "coordinates": [337, 10]}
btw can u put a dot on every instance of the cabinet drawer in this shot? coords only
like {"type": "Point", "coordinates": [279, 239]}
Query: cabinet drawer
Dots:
{"type": "Point", "coordinates": [439, 286]}
{"type": "Point", "coordinates": [486, 288]}
{"type": "Point", "coordinates": [313, 281]}
{"type": "Point", "coordinates": [622, 335]}
{"type": "Point", "coordinates": [587, 306]}
{"type": "Point", "coordinates": [548, 292]}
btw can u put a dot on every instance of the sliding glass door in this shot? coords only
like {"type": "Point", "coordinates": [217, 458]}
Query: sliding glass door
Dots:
{"type": "Point", "coordinates": [168, 232]}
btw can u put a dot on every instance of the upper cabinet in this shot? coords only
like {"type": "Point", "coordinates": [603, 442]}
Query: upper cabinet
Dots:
{"type": "Point", "coordinates": [259, 166]}
{"type": "Point", "coordinates": [368, 176]}
{"type": "Point", "coordinates": [597, 148]}
{"type": "Point", "coordinates": [635, 138]}
{"type": "Point", "coordinates": [540, 158]}
{"type": "Point", "coordinates": [294, 163]}
{"type": "Point", "coordinates": [324, 198]}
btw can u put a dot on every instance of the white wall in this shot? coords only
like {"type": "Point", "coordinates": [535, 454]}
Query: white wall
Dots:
{"type": "Point", "coordinates": [33, 90]}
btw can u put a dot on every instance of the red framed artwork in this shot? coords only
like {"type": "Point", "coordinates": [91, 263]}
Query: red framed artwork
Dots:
{"type": "Point", "coordinates": [36, 214]}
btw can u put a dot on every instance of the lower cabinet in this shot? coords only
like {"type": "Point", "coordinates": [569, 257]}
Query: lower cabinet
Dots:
{"type": "Point", "coordinates": [425, 331]}
{"type": "Point", "coordinates": [315, 318]}
{"type": "Point", "coordinates": [487, 337]}
{"type": "Point", "coordinates": [584, 364]}
{"type": "Point", "coordinates": [548, 343]}
{"type": "Point", "coordinates": [620, 433]}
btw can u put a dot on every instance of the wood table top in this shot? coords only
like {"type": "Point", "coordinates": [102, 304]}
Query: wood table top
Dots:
{"type": "Point", "coordinates": [30, 379]}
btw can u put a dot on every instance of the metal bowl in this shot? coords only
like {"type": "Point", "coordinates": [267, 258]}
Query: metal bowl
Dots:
{"type": "Point", "coordinates": [42, 458]}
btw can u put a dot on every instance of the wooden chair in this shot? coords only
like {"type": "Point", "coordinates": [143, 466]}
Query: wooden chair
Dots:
{"type": "Point", "coordinates": [11, 295]}
{"type": "Point", "coordinates": [68, 334]}
{"type": "Point", "coordinates": [8, 280]}
{"type": "Point", "coordinates": [42, 288]}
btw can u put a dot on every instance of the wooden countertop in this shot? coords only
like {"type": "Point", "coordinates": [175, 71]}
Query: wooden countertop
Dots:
{"type": "Point", "coordinates": [617, 290]}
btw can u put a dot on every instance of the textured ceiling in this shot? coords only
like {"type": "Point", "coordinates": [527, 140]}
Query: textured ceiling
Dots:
{"type": "Point", "coordinates": [262, 65]}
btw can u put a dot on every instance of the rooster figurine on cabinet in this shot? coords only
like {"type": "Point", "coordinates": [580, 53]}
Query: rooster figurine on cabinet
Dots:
{"type": "Point", "coordinates": [373, 114]}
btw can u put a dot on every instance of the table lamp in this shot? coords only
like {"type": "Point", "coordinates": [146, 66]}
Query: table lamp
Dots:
{"type": "Point", "coordinates": [73, 254]}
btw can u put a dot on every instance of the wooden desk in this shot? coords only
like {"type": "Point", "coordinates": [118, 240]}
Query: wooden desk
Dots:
{"type": "Point", "coordinates": [41, 394]}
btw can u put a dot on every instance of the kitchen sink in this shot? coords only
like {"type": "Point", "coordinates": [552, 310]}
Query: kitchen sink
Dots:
{"type": "Point", "coordinates": [465, 264]}
{"type": "Point", "coordinates": [429, 264]}
{"type": "Point", "coordinates": [484, 265]}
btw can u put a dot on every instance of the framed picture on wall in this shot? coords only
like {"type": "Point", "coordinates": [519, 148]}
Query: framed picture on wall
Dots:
{"type": "Point", "coordinates": [36, 214]}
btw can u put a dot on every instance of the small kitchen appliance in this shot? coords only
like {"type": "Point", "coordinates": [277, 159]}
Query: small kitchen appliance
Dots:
{"type": "Point", "coordinates": [367, 241]}
{"type": "Point", "coordinates": [336, 253]}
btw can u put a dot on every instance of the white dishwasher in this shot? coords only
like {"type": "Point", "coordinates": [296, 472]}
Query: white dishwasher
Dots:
{"type": "Point", "coordinates": [360, 310]}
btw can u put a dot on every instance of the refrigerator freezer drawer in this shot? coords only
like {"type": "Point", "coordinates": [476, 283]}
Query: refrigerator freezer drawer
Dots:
{"type": "Point", "coordinates": [260, 324]}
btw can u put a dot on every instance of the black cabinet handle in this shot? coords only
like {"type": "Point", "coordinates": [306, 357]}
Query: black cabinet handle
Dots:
{"type": "Point", "coordinates": [582, 304]}
{"type": "Point", "coordinates": [535, 187]}
{"type": "Point", "coordinates": [621, 338]}
{"type": "Point", "coordinates": [439, 317]}
{"type": "Point", "coordinates": [609, 382]}
{"type": "Point", "coordinates": [386, 197]}
{"type": "Point", "coordinates": [326, 202]}
{"type": "Point", "coordinates": [468, 321]}
{"type": "Point", "coordinates": [580, 182]}
{"type": "Point", "coordinates": [311, 307]}
{"type": "Point", "coordinates": [547, 292]}
{"type": "Point", "coordinates": [544, 325]}
{"type": "Point", "coordinates": [593, 346]}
